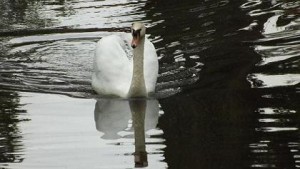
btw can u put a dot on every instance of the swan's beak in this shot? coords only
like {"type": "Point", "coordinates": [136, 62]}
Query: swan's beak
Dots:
{"type": "Point", "coordinates": [135, 41]}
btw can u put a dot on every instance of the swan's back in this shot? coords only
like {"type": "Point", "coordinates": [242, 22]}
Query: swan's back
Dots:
{"type": "Point", "coordinates": [113, 66]}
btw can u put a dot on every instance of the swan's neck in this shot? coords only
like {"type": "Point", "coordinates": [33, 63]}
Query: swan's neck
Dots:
{"type": "Point", "coordinates": [138, 87]}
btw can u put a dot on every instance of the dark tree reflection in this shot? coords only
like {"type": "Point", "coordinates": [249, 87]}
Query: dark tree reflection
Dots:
{"type": "Point", "coordinates": [22, 14]}
{"type": "Point", "coordinates": [220, 121]}
{"type": "Point", "coordinates": [208, 129]}
{"type": "Point", "coordinates": [228, 128]}
{"type": "Point", "coordinates": [10, 136]}
{"type": "Point", "coordinates": [209, 31]}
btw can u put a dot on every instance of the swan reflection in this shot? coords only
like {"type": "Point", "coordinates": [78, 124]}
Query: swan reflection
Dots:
{"type": "Point", "coordinates": [112, 116]}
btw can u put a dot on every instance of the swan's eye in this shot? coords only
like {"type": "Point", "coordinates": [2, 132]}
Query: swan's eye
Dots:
{"type": "Point", "coordinates": [136, 33]}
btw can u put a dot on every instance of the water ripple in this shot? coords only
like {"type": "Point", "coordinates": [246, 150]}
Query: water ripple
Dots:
{"type": "Point", "coordinates": [278, 48]}
{"type": "Point", "coordinates": [56, 56]}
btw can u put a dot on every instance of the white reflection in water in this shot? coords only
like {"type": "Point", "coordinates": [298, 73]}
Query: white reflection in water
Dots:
{"type": "Point", "coordinates": [116, 118]}
{"type": "Point", "coordinates": [61, 133]}
{"type": "Point", "coordinates": [251, 4]}
{"type": "Point", "coordinates": [270, 26]}
{"type": "Point", "coordinates": [279, 47]}
{"type": "Point", "coordinates": [269, 151]}
{"type": "Point", "coordinates": [114, 115]}
{"type": "Point", "coordinates": [276, 129]}
{"type": "Point", "coordinates": [263, 166]}
{"type": "Point", "coordinates": [275, 54]}
{"type": "Point", "coordinates": [274, 111]}
{"type": "Point", "coordinates": [269, 120]}
{"type": "Point", "coordinates": [55, 37]}
{"type": "Point", "coordinates": [264, 80]}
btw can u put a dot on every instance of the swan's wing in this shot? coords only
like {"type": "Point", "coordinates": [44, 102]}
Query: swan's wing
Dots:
{"type": "Point", "coordinates": [112, 67]}
{"type": "Point", "coordinates": [150, 66]}
{"type": "Point", "coordinates": [126, 45]}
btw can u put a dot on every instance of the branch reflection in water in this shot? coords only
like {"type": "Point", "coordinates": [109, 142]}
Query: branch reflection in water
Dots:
{"type": "Point", "coordinates": [114, 117]}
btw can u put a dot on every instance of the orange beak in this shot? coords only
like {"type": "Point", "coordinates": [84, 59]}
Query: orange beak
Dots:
{"type": "Point", "coordinates": [135, 41]}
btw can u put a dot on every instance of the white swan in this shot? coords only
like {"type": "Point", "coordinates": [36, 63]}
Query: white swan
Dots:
{"type": "Point", "coordinates": [125, 65]}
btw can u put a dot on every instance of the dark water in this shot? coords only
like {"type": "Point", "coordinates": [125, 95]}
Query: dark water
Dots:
{"type": "Point", "coordinates": [229, 81]}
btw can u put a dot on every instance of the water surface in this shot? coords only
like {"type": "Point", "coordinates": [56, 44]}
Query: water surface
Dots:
{"type": "Point", "coordinates": [228, 89]}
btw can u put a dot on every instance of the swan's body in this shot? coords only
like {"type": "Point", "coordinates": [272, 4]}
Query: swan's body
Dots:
{"type": "Point", "coordinates": [122, 71]}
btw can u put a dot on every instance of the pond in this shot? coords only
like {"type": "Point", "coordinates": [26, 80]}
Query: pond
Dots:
{"type": "Point", "coordinates": [228, 92]}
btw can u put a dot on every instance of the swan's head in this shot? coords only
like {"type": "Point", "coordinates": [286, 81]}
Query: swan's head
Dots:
{"type": "Point", "coordinates": [138, 31]}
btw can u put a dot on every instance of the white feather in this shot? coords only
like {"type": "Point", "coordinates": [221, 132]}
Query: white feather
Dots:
{"type": "Point", "coordinates": [113, 65]}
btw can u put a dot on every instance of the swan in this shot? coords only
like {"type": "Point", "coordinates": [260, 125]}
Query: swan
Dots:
{"type": "Point", "coordinates": [125, 65]}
